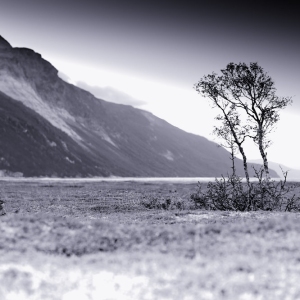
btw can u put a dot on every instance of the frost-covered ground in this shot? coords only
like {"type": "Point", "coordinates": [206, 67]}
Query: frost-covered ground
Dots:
{"type": "Point", "coordinates": [99, 241]}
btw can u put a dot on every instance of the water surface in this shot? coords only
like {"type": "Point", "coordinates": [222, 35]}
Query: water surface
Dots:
{"type": "Point", "coordinates": [124, 179]}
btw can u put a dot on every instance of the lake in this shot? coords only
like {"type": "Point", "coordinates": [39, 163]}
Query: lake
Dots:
{"type": "Point", "coordinates": [124, 179]}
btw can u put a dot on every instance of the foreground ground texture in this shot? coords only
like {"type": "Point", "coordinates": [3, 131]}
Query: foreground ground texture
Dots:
{"type": "Point", "coordinates": [116, 241]}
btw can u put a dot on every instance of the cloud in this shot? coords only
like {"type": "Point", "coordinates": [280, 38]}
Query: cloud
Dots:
{"type": "Point", "coordinates": [63, 76]}
{"type": "Point", "coordinates": [110, 94]}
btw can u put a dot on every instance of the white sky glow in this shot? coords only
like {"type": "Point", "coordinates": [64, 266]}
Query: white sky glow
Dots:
{"type": "Point", "coordinates": [181, 107]}
{"type": "Point", "coordinates": [184, 108]}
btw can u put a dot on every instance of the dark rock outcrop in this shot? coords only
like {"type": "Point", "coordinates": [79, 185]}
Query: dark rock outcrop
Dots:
{"type": "Point", "coordinates": [4, 44]}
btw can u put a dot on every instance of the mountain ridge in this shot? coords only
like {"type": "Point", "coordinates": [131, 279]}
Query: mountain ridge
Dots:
{"type": "Point", "coordinates": [4, 44]}
{"type": "Point", "coordinates": [107, 139]}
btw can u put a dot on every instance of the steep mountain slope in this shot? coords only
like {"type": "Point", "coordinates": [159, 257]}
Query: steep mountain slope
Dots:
{"type": "Point", "coordinates": [31, 145]}
{"type": "Point", "coordinates": [92, 137]}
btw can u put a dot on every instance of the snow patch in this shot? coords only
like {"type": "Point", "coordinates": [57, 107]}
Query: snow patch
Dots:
{"type": "Point", "coordinates": [64, 145]}
{"type": "Point", "coordinates": [168, 155]}
{"type": "Point", "coordinates": [108, 139]}
{"type": "Point", "coordinates": [69, 160]}
{"type": "Point", "coordinates": [52, 144]}
{"type": "Point", "coordinates": [101, 131]}
{"type": "Point", "coordinates": [22, 91]}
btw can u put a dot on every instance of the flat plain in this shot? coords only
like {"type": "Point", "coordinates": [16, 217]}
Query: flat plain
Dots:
{"type": "Point", "coordinates": [140, 240]}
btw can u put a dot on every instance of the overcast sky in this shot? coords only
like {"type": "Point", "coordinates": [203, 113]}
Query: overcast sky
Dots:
{"type": "Point", "coordinates": [151, 54]}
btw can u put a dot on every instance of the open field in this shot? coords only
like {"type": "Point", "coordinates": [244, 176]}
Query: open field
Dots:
{"type": "Point", "coordinates": [104, 240]}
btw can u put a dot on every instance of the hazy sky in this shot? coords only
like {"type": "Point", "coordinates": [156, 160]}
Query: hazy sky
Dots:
{"type": "Point", "coordinates": [151, 53]}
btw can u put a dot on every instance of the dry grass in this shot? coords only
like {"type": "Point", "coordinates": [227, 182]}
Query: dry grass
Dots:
{"type": "Point", "coordinates": [98, 241]}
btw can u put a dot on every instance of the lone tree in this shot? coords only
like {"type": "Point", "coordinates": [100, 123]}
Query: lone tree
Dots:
{"type": "Point", "coordinates": [248, 108]}
{"type": "Point", "coordinates": [246, 97]}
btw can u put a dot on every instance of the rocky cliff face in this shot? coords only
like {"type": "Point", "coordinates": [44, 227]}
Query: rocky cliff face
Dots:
{"type": "Point", "coordinates": [50, 127]}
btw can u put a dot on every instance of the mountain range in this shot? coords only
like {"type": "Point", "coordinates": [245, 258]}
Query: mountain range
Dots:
{"type": "Point", "coordinates": [49, 127]}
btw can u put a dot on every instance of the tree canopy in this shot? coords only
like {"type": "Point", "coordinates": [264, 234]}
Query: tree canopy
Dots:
{"type": "Point", "coordinates": [249, 106]}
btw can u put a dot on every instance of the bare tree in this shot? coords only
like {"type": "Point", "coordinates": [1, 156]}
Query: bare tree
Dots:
{"type": "Point", "coordinates": [249, 108]}
{"type": "Point", "coordinates": [247, 93]}
{"type": "Point", "coordinates": [212, 86]}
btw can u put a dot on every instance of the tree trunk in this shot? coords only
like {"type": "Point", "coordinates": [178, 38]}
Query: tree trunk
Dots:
{"type": "Point", "coordinates": [245, 165]}
{"type": "Point", "coordinates": [249, 204]}
{"type": "Point", "coordinates": [262, 152]}
{"type": "Point", "coordinates": [232, 160]}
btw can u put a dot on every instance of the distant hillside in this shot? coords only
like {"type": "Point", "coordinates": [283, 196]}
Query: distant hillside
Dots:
{"type": "Point", "coordinates": [52, 128]}
{"type": "Point", "coordinates": [292, 173]}
{"type": "Point", "coordinates": [31, 145]}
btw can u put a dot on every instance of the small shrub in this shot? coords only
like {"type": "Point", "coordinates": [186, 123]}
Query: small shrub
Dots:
{"type": "Point", "coordinates": [152, 203]}
{"type": "Point", "coordinates": [231, 194]}
{"type": "Point", "coordinates": [223, 194]}
{"type": "Point", "coordinates": [2, 210]}
{"type": "Point", "coordinates": [166, 204]}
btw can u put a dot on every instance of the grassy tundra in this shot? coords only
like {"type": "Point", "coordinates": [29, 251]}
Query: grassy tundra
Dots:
{"type": "Point", "coordinates": [135, 240]}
